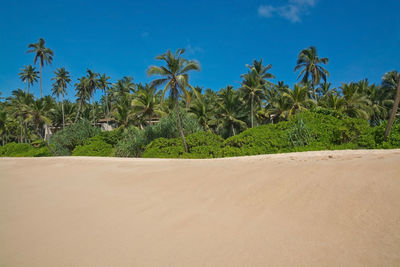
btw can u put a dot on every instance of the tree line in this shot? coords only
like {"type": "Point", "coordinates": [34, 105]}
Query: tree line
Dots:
{"type": "Point", "coordinates": [226, 112]}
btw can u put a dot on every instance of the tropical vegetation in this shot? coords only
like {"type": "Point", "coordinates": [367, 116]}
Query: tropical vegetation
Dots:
{"type": "Point", "coordinates": [170, 117]}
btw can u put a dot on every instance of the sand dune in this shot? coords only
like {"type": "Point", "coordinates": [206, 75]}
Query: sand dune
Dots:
{"type": "Point", "coordinates": [334, 208]}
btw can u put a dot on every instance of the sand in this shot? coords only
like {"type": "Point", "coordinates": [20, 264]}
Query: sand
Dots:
{"type": "Point", "coordinates": [332, 208]}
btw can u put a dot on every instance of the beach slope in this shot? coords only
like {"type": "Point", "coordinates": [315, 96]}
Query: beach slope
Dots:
{"type": "Point", "coordinates": [330, 208]}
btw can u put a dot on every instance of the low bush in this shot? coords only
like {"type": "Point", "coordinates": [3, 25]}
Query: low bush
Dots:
{"type": "Point", "coordinates": [200, 145]}
{"type": "Point", "coordinates": [24, 150]}
{"type": "Point", "coordinates": [306, 131]}
{"type": "Point", "coordinates": [94, 146]}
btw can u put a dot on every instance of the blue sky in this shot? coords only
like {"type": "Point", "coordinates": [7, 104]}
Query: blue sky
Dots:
{"type": "Point", "coordinates": [121, 38]}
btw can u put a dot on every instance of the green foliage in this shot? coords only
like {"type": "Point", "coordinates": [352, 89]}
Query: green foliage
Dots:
{"type": "Point", "coordinates": [393, 138]}
{"type": "Point", "coordinates": [306, 131]}
{"type": "Point", "coordinates": [112, 137]}
{"type": "Point", "coordinates": [201, 145]}
{"type": "Point", "coordinates": [23, 150]}
{"type": "Point", "coordinates": [132, 143]}
{"type": "Point", "coordinates": [94, 146]}
{"type": "Point", "coordinates": [64, 141]}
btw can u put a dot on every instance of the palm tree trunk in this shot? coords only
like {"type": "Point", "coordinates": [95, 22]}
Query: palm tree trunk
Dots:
{"type": "Point", "coordinates": [62, 108]}
{"type": "Point", "coordinates": [28, 87]}
{"type": "Point", "coordinates": [233, 130]}
{"type": "Point", "coordinates": [79, 109]}
{"type": "Point", "coordinates": [108, 109]}
{"type": "Point", "coordinates": [393, 114]}
{"type": "Point", "coordinates": [180, 125]}
{"type": "Point", "coordinates": [41, 88]}
{"type": "Point", "coordinates": [252, 111]}
{"type": "Point", "coordinates": [93, 111]}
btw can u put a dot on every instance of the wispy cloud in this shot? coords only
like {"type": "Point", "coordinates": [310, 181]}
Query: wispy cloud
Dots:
{"type": "Point", "coordinates": [292, 11]}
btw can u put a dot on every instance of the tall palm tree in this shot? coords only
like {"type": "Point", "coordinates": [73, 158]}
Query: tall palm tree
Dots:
{"type": "Point", "coordinates": [82, 94]}
{"type": "Point", "coordinates": [43, 54]}
{"type": "Point", "coordinates": [390, 81]}
{"type": "Point", "coordinates": [103, 84]}
{"type": "Point", "coordinates": [310, 65]}
{"type": "Point", "coordinates": [62, 79]}
{"type": "Point", "coordinates": [92, 83]}
{"type": "Point", "coordinates": [28, 75]}
{"type": "Point", "coordinates": [176, 79]}
{"type": "Point", "coordinates": [261, 71]}
{"type": "Point", "coordinates": [253, 88]}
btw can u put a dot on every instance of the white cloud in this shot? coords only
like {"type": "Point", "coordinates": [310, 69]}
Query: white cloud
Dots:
{"type": "Point", "coordinates": [292, 11]}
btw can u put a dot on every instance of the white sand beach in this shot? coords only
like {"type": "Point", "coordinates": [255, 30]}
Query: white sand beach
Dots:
{"type": "Point", "coordinates": [328, 208]}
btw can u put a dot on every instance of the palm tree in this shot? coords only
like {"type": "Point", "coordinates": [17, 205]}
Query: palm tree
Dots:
{"type": "Point", "coordinates": [82, 94]}
{"type": "Point", "coordinates": [44, 54]}
{"type": "Point", "coordinates": [92, 84]}
{"type": "Point", "coordinates": [19, 102]}
{"type": "Point", "coordinates": [38, 114]}
{"type": "Point", "coordinates": [261, 71]}
{"type": "Point", "coordinates": [390, 81]}
{"type": "Point", "coordinates": [28, 75]}
{"type": "Point", "coordinates": [253, 88]}
{"type": "Point", "coordinates": [103, 84]}
{"type": "Point", "coordinates": [62, 79]}
{"type": "Point", "coordinates": [147, 102]}
{"type": "Point", "coordinates": [176, 79]}
{"type": "Point", "coordinates": [356, 104]}
{"type": "Point", "coordinates": [310, 65]}
{"type": "Point", "coordinates": [203, 109]}
{"type": "Point", "coordinates": [298, 99]}
{"type": "Point", "coordinates": [231, 112]}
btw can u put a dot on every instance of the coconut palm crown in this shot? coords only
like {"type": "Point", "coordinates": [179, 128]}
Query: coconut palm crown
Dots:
{"type": "Point", "coordinates": [43, 54]}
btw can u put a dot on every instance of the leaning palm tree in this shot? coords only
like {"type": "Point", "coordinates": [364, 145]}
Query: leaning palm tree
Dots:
{"type": "Point", "coordinates": [310, 65]}
{"type": "Point", "coordinates": [44, 54]}
{"type": "Point", "coordinates": [176, 79]}
{"type": "Point", "coordinates": [28, 75]}
{"type": "Point", "coordinates": [62, 79]}
{"type": "Point", "coordinates": [390, 81]}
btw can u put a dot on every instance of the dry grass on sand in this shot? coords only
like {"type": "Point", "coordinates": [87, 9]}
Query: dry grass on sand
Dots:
{"type": "Point", "coordinates": [332, 208]}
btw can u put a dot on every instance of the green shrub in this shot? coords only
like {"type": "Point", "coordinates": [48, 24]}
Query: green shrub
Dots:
{"type": "Point", "coordinates": [64, 141]}
{"type": "Point", "coordinates": [23, 150]}
{"type": "Point", "coordinates": [393, 138]}
{"type": "Point", "coordinates": [200, 145]}
{"type": "Point", "coordinates": [132, 143]}
{"type": "Point", "coordinates": [94, 146]}
{"type": "Point", "coordinates": [112, 137]}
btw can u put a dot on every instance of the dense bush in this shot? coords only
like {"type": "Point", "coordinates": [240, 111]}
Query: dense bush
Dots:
{"type": "Point", "coordinates": [132, 143]}
{"type": "Point", "coordinates": [304, 132]}
{"type": "Point", "coordinates": [200, 145]}
{"type": "Point", "coordinates": [64, 141]}
{"type": "Point", "coordinates": [94, 146]}
{"type": "Point", "coordinates": [24, 150]}
{"type": "Point", "coordinates": [393, 138]}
